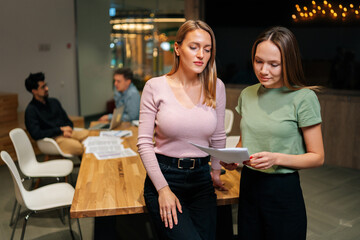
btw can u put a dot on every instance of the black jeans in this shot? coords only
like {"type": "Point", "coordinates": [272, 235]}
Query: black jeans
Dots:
{"type": "Point", "coordinates": [194, 189]}
{"type": "Point", "coordinates": [271, 206]}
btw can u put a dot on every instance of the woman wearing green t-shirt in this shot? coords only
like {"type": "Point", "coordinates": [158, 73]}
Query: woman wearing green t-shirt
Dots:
{"type": "Point", "coordinates": [281, 127]}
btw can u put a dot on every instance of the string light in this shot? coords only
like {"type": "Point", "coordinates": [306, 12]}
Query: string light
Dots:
{"type": "Point", "coordinates": [326, 10]}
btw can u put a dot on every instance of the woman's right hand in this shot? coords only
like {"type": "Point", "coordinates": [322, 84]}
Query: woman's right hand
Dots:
{"type": "Point", "coordinates": [168, 203]}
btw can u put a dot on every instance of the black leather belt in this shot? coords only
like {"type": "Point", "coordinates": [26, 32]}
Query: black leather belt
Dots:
{"type": "Point", "coordinates": [183, 163]}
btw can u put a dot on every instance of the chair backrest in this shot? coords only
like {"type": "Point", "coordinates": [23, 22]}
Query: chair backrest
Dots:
{"type": "Point", "coordinates": [232, 141]}
{"type": "Point", "coordinates": [24, 150]}
{"type": "Point", "coordinates": [229, 120]}
{"type": "Point", "coordinates": [50, 147]}
{"type": "Point", "coordinates": [20, 191]}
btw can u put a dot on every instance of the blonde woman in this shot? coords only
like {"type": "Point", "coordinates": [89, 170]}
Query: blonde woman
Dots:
{"type": "Point", "coordinates": [185, 105]}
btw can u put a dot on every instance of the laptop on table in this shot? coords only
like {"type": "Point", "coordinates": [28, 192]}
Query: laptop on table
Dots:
{"type": "Point", "coordinates": [115, 121]}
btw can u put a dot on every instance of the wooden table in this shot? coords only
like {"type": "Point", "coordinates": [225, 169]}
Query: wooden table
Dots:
{"type": "Point", "coordinates": [115, 186]}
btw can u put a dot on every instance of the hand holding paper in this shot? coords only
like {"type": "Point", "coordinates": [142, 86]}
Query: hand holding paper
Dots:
{"type": "Point", "coordinates": [227, 155]}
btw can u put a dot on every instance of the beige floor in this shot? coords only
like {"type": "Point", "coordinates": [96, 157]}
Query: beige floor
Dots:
{"type": "Point", "coordinates": [332, 196]}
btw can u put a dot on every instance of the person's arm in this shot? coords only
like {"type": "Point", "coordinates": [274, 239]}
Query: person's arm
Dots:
{"type": "Point", "coordinates": [148, 111]}
{"type": "Point", "coordinates": [313, 157]}
{"type": "Point", "coordinates": [32, 123]}
{"type": "Point", "coordinates": [168, 202]}
{"type": "Point", "coordinates": [132, 107]}
{"type": "Point", "coordinates": [104, 118]}
{"type": "Point", "coordinates": [232, 166]}
{"type": "Point", "coordinates": [218, 139]}
{"type": "Point", "coordinates": [65, 117]}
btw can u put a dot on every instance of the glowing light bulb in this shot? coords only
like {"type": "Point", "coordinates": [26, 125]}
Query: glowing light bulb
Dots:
{"type": "Point", "coordinates": [314, 11]}
{"type": "Point", "coordinates": [293, 16]}
{"type": "Point", "coordinates": [313, 2]}
{"type": "Point", "coordinates": [305, 8]}
{"type": "Point", "coordinates": [323, 11]}
{"type": "Point", "coordinates": [335, 14]}
{"type": "Point", "coordinates": [343, 14]}
{"type": "Point", "coordinates": [352, 5]}
{"type": "Point", "coordinates": [340, 6]}
{"type": "Point", "coordinates": [319, 8]}
{"type": "Point", "coordinates": [325, 2]}
{"type": "Point", "coordinates": [356, 11]}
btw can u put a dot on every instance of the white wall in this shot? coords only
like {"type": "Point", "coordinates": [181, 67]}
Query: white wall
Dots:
{"type": "Point", "coordinates": [24, 25]}
{"type": "Point", "coordinates": [95, 75]}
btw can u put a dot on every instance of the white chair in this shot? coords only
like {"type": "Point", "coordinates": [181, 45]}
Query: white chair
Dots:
{"type": "Point", "coordinates": [231, 142]}
{"type": "Point", "coordinates": [49, 197]}
{"type": "Point", "coordinates": [29, 165]}
{"type": "Point", "coordinates": [49, 146]}
{"type": "Point", "coordinates": [229, 120]}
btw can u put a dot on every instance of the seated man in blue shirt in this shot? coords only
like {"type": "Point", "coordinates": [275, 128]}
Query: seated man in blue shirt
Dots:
{"type": "Point", "coordinates": [125, 94]}
{"type": "Point", "coordinates": [45, 117]}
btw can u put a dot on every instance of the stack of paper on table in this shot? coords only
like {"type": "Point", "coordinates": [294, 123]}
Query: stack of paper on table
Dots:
{"type": "Point", "coordinates": [116, 133]}
{"type": "Point", "coordinates": [106, 147]}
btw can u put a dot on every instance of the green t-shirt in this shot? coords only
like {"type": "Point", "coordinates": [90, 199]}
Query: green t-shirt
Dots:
{"type": "Point", "coordinates": [272, 118]}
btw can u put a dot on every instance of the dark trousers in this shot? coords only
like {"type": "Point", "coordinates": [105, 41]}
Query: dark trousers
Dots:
{"type": "Point", "coordinates": [194, 189]}
{"type": "Point", "coordinates": [271, 206]}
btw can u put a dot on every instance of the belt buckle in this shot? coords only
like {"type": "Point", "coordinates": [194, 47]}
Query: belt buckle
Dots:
{"type": "Point", "coordinates": [182, 159]}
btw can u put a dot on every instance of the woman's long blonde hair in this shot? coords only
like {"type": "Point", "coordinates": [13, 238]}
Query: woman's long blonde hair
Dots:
{"type": "Point", "coordinates": [209, 75]}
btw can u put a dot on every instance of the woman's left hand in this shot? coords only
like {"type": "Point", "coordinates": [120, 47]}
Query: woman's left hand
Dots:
{"type": "Point", "coordinates": [215, 175]}
{"type": "Point", "coordinates": [262, 160]}
{"type": "Point", "coordinates": [229, 166]}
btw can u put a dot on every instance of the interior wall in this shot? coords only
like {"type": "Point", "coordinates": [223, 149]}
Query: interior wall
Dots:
{"type": "Point", "coordinates": [38, 36]}
{"type": "Point", "coordinates": [95, 75]}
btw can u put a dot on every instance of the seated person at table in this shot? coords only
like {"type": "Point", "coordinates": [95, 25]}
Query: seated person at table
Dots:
{"type": "Point", "coordinates": [125, 94]}
{"type": "Point", "coordinates": [45, 117]}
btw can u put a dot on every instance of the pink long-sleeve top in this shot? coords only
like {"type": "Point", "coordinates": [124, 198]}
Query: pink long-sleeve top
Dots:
{"type": "Point", "coordinates": [175, 126]}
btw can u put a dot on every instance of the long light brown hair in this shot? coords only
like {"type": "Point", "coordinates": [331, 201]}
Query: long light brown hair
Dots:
{"type": "Point", "coordinates": [209, 75]}
{"type": "Point", "coordinates": [292, 70]}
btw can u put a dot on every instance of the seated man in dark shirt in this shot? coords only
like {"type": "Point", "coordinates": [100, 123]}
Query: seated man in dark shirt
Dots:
{"type": "Point", "coordinates": [44, 117]}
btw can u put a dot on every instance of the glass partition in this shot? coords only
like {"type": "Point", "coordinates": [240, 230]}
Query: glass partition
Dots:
{"type": "Point", "coordinates": [143, 40]}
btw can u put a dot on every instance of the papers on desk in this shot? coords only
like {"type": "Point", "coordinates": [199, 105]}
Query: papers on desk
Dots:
{"type": "Point", "coordinates": [114, 133]}
{"type": "Point", "coordinates": [135, 122]}
{"type": "Point", "coordinates": [227, 155]}
{"type": "Point", "coordinates": [126, 152]}
{"type": "Point", "coordinates": [107, 147]}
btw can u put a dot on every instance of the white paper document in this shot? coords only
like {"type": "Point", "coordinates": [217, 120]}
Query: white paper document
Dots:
{"type": "Point", "coordinates": [227, 155]}
{"type": "Point", "coordinates": [114, 133]}
{"type": "Point", "coordinates": [102, 141]}
{"type": "Point", "coordinates": [107, 147]}
{"type": "Point", "coordinates": [126, 152]}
